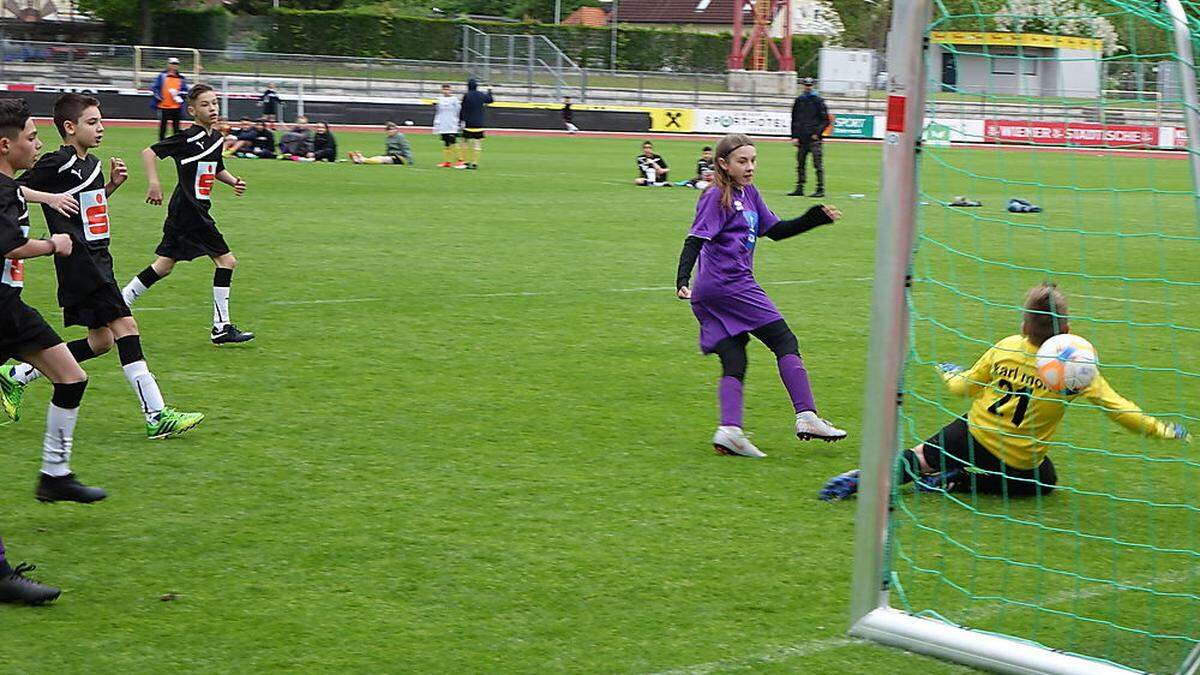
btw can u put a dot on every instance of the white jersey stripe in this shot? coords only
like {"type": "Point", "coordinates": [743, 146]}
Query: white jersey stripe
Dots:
{"type": "Point", "coordinates": [69, 164]}
{"type": "Point", "coordinates": [87, 182]}
{"type": "Point", "coordinates": [214, 146]}
{"type": "Point", "coordinates": [199, 135]}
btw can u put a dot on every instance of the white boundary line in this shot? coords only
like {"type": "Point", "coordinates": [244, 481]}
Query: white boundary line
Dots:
{"type": "Point", "coordinates": [1140, 302]}
{"type": "Point", "coordinates": [802, 649]}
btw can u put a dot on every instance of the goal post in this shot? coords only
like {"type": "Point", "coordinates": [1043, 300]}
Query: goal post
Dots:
{"type": "Point", "coordinates": [149, 60]}
{"type": "Point", "coordinates": [879, 605]}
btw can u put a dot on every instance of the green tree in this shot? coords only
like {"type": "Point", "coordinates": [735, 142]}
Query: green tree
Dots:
{"type": "Point", "coordinates": [127, 20]}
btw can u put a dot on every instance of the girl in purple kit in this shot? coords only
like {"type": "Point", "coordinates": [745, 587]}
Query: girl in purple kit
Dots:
{"type": "Point", "coordinates": [729, 303]}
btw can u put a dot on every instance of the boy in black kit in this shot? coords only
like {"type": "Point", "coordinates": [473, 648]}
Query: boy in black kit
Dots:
{"type": "Point", "coordinates": [87, 289]}
{"type": "Point", "coordinates": [24, 334]}
{"type": "Point", "coordinates": [189, 232]}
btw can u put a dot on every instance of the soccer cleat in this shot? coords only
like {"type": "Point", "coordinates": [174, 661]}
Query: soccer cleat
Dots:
{"type": "Point", "coordinates": [230, 335]}
{"type": "Point", "coordinates": [172, 423]}
{"type": "Point", "coordinates": [444, 165]}
{"type": "Point", "coordinates": [472, 166]}
{"type": "Point", "coordinates": [461, 165]}
{"type": "Point", "coordinates": [841, 486]}
{"type": "Point", "coordinates": [733, 441]}
{"type": "Point", "coordinates": [66, 489]}
{"type": "Point", "coordinates": [818, 194]}
{"type": "Point", "coordinates": [798, 192]}
{"type": "Point", "coordinates": [16, 588]}
{"type": "Point", "coordinates": [810, 427]}
{"type": "Point", "coordinates": [11, 393]}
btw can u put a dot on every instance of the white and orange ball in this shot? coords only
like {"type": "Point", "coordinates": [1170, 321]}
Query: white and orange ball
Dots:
{"type": "Point", "coordinates": [1067, 363]}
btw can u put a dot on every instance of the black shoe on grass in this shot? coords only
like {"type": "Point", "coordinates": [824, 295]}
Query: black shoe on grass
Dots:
{"type": "Point", "coordinates": [66, 489]}
{"type": "Point", "coordinates": [15, 588]}
{"type": "Point", "coordinates": [230, 335]}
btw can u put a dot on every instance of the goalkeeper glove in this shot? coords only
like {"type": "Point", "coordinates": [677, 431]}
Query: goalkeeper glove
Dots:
{"type": "Point", "coordinates": [1178, 432]}
{"type": "Point", "coordinates": [949, 368]}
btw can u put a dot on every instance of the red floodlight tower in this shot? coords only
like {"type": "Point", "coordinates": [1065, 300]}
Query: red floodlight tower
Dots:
{"type": "Point", "coordinates": [759, 41]}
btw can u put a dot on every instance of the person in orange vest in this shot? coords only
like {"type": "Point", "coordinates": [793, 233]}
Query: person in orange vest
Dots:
{"type": "Point", "coordinates": [170, 88]}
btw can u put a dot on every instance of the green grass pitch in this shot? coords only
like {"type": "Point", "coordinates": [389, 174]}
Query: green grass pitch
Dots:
{"type": "Point", "coordinates": [472, 435]}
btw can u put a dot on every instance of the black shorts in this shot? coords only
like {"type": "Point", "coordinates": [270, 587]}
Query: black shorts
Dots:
{"type": "Point", "coordinates": [954, 447]}
{"type": "Point", "coordinates": [398, 159]}
{"type": "Point", "coordinates": [23, 330]}
{"type": "Point", "coordinates": [100, 308]}
{"type": "Point", "coordinates": [449, 139]}
{"type": "Point", "coordinates": [472, 135]}
{"type": "Point", "coordinates": [202, 239]}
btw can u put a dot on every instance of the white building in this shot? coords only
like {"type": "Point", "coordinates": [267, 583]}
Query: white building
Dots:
{"type": "Point", "coordinates": [1017, 64]}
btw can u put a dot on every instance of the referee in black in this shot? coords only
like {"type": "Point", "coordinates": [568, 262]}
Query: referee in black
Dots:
{"type": "Point", "coordinates": [810, 116]}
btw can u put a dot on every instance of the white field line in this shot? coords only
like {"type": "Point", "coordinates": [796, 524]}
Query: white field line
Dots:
{"type": "Point", "coordinates": [517, 294]}
{"type": "Point", "coordinates": [1140, 302]}
{"type": "Point", "coordinates": [644, 289]}
{"type": "Point", "coordinates": [811, 647]}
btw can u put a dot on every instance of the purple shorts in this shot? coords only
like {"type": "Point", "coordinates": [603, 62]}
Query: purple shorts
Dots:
{"type": "Point", "coordinates": [729, 315]}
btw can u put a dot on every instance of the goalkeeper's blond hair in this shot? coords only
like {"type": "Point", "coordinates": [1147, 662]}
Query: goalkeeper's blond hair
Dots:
{"type": "Point", "coordinates": [1046, 313]}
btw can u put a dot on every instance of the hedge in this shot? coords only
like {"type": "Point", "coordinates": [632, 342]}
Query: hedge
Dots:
{"type": "Point", "coordinates": [371, 32]}
{"type": "Point", "coordinates": [197, 28]}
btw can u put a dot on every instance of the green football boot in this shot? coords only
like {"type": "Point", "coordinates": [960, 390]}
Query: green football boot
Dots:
{"type": "Point", "coordinates": [171, 423]}
{"type": "Point", "coordinates": [11, 393]}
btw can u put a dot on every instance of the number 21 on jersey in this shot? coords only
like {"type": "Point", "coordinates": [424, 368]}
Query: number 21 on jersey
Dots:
{"type": "Point", "coordinates": [206, 174]}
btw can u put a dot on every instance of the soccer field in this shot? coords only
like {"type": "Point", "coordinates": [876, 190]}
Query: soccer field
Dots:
{"type": "Point", "coordinates": [473, 433]}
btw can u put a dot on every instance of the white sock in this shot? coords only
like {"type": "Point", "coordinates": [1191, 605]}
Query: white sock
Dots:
{"type": "Point", "coordinates": [220, 306]}
{"type": "Point", "coordinates": [133, 290]}
{"type": "Point", "coordinates": [146, 388]}
{"type": "Point", "coordinates": [56, 445]}
{"type": "Point", "coordinates": [24, 373]}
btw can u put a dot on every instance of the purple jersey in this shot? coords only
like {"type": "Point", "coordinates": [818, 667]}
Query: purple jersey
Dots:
{"type": "Point", "coordinates": [726, 263]}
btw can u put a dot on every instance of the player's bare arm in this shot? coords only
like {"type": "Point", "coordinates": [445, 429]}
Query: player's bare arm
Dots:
{"type": "Point", "coordinates": [57, 244]}
{"type": "Point", "coordinates": [118, 173]}
{"type": "Point", "coordinates": [154, 193]}
{"type": "Point", "coordinates": [238, 185]}
{"type": "Point", "coordinates": [61, 202]}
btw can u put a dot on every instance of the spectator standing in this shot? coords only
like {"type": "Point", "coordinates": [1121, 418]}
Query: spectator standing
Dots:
{"type": "Point", "coordinates": [810, 116]}
{"type": "Point", "coordinates": [270, 102]}
{"type": "Point", "coordinates": [169, 89]}
{"type": "Point", "coordinates": [474, 120]}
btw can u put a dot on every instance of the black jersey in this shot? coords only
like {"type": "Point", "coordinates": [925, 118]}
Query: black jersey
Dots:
{"type": "Point", "coordinates": [646, 167]}
{"type": "Point", "coordinates": [14, 232]}
{"type": "Point", "coordinates": [197, 155]}
{"type": "Point", "coordinates": [704, 168]}
{"type": "Point", "coordinates": [90, 264]}
{"type": "Point", "coordinates": [567, 114]}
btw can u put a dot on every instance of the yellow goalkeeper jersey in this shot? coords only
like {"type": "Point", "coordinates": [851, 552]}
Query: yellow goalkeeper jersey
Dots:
{"type": "Point", "coordinates": [1013, 414]}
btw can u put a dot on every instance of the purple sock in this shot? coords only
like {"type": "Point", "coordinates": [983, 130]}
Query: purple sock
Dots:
{"type": "Point", "coordinates": [795, 380]}
{"type": "Point", "coordinates": [729, 392]}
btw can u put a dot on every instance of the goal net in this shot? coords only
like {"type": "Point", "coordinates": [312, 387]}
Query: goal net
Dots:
{"type": "Point", "coordinates": [1085, 109]}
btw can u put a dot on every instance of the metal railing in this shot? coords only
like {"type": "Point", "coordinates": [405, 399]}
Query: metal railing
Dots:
{"type": "Point", "coordinates": [542, 78]}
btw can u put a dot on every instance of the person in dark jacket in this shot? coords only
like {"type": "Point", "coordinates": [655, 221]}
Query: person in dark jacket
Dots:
{"type": "Point", "coordinates": [473, 117]}
{"type": "Point", "coordinates": [324, 145]}
{"type": "Point", "coordinates": [810, 116]}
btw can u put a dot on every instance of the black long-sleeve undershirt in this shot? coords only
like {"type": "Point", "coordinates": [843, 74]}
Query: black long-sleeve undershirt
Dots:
{"type": "Point", "coordinates": [813, 218]}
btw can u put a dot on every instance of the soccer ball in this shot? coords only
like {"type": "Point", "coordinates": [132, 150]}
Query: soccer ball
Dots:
{"type": "Point", "coordinates": [408, 123]}
{"type": "Point", "coordinates": [1067, 363]}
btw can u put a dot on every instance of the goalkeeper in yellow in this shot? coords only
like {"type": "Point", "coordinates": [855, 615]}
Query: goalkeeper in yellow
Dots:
{"type": "Point", "coordinates": [999, 447]}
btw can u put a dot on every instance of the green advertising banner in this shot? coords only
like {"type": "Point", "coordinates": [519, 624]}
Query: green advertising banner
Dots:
{"type": "Point", "coordinates": [854, 126]}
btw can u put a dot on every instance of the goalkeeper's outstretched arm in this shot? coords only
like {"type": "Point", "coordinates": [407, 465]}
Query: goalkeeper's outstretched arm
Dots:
{"type": "Point", "coordinates": [1127, 413]}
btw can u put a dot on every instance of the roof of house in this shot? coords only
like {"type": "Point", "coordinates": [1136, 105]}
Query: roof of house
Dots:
{"type": "Point", "coordinates": [679, 11]}
{"type": "Point", "coordinates": [588, 16]}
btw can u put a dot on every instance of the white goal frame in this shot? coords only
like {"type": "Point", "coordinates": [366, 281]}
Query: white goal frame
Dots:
{"type": "Point", "coordinates": [139, 73]}
{"type": "Point", "coordinates": [871, 616]}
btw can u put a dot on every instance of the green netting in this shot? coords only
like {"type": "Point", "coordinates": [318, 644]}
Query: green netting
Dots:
{"type": "Point", "coordinates": [1108, 566]}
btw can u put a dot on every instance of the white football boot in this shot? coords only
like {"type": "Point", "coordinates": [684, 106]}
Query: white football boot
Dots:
{"type": "Point", "coordinates": [733, 441]}
{"type": "Point", "coordinates": [810, 427]}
